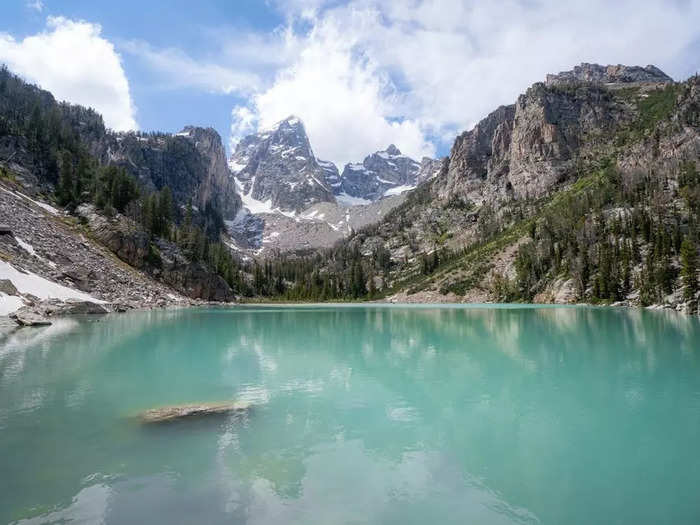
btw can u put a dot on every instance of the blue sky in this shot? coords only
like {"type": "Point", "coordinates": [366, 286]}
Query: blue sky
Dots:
{"type": "Point", "coordinates": [360, 73]}
{"type": "Point", "coordinates": [178, 24]}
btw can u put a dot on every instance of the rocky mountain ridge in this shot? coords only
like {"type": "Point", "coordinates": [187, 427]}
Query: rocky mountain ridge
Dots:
{"type": "Point", "coordinates": [613, 74]}
{"type": "Point", "coordinates": [381, 174]}
{"type": "Point", "coordinates": [292, 201]}
{"type": "Point", "coordinates": [595, 165]}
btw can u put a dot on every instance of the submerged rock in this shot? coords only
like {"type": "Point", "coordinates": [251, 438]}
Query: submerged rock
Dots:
{"type": "Point", "coordinates": [180, 412]}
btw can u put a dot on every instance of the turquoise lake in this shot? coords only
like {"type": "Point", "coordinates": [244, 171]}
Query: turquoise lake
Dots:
{"type": "Point", "coordinates": [360, 414]}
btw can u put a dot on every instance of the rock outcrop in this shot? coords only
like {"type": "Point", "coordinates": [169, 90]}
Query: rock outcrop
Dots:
{"type": "Point", "coordinates": [159, 258]}
{"type": "Point", "coordinates": [192, 163]}
{"type": "Point", "coordinates": [609, 75]}
{"type": "Point", "coordinates": [526, 149]}
{"type": "Point", "coordinates": [27, 316]}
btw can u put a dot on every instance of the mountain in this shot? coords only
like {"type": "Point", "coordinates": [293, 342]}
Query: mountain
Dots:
{"type": "Point", "coordinates": [276, 169]}
{"type": "Point", "coordinates": [157, 201]}
{"type": "Point", "coordinates": [381, 174]}
{"type": "Point", "coordinates": [293, 201]}
{"type": "Point", "coordinates": [586, 189]}
{"type": "Point", "coordinates": [331, 174]}
{"type": "Point", "coordinates": [192, 163]}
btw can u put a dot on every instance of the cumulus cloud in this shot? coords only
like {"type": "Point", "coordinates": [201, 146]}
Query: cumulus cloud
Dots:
{"type": "Point", "coordinates": [346, 102]}
{"type": "Point", "coordinates": [371, 72]}
{"type": "Point", "coordinates": [73, 61]}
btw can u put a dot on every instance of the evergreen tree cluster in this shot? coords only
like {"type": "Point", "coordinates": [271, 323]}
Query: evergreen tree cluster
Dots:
{"type": "Point", "coordinates": [54, 137]}
{"type": "Point", "coordinates": [614, 237]}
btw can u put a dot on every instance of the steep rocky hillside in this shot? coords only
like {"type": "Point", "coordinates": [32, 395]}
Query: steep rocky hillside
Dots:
{"type": "Point", "coordinates": [586, 189]}
{"type": "Point", "coordinates": [47, 254]}
{"type": "Point", "coordinates": [158, 201]}
{"type": "Point", "coordinates": [543, 199]}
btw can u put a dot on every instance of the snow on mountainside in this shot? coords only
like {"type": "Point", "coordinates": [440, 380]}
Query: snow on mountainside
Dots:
{"type": "Point", "coordinates": [383, 173]}
{"type": "Point", "coordinates": [292, 200]}
{"type": "Point", "coordinates": [276, 169]}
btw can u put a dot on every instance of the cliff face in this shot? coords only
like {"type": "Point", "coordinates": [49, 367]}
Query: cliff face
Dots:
{"type": "Point", "coordinates": [191, 163]}
{"type": "Point", "coordinates": [478, 157]}
{"type": "Point", "coordinates": [525, 150]}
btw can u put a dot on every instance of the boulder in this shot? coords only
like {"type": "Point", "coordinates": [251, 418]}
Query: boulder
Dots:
{"type": "Point", "coordinates": [27, 316]}
{"type": "Point", "coordinates": [179, 412]}
{"type": "Point", "coordinates": [79, 307]}
{"type": "Point", "coordinates": [7, 287]}
{"type": "Point", "coordinates": [80, 275]}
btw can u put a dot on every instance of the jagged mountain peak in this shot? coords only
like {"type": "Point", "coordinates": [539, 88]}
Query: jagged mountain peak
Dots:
{"type": "Point", "coordinates": [383, 173]}
{"type": "Point", "coordinates": [292, 122]}
{"type": "Point", "coordinates": [277, 169]}
{"type": "Point", "coordinates": [393, 150]}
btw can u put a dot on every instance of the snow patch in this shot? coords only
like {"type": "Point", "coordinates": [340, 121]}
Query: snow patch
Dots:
{"type": "Point", "coordinates": [9, 303]}
{"type": "Point", "coordinates": [30, 283]}
{"type": "Point", "coordinates": [42, 205]}
{"type": "Point", "coordinates": [256, 206]}
{"type": "Point", "coordinates": [348, 200]}
{"type": "Point", "coordinates": [398, 190]}
{"type": "Point", "coordinates": [235, 166]}
{"type": "Point", "coordinates": [26, 246]}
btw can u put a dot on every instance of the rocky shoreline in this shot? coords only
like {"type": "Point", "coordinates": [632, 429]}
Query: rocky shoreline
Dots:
{"type": "Point", "coordinates": [50, 265]}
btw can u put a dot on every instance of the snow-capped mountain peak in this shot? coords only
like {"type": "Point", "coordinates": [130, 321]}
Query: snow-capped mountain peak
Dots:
{"type": "Point", "coordinates": [277, 167]}
{"type": "Point", "coordinates": [384, 173]}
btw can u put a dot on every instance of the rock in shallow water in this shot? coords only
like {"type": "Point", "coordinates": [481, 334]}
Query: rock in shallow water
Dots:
{"type": "Point", "coordinates": [180, 412]}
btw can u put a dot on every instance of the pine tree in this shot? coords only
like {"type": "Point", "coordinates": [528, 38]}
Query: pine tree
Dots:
{"type": "Point", "coordinates": [689, 268]}
{"type": "Point", "coordinates": [66, 181]}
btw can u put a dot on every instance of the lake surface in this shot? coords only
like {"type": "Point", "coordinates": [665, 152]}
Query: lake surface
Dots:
{"type": "Point", "coordinates": [361, 414]}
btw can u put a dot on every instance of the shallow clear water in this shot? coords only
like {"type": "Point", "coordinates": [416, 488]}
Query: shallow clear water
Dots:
{"type": "Point", "coordinates": [361, 415]}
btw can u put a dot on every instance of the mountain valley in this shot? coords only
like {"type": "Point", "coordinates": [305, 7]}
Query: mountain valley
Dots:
{"type": "Point", "coordinates": [586, 189]}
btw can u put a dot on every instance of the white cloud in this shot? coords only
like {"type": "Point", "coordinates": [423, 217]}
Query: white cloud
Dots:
{"type": "Point", "coordinates": [37, 5]}
{"type": "Point", "coordinates": [73, 61]}
{"type": "Point", "coordinates": [243, 122]}
{"type": "Point", "coordinates": [439, 66]}
{"type": "Point", "coordinates": [347, 103]}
